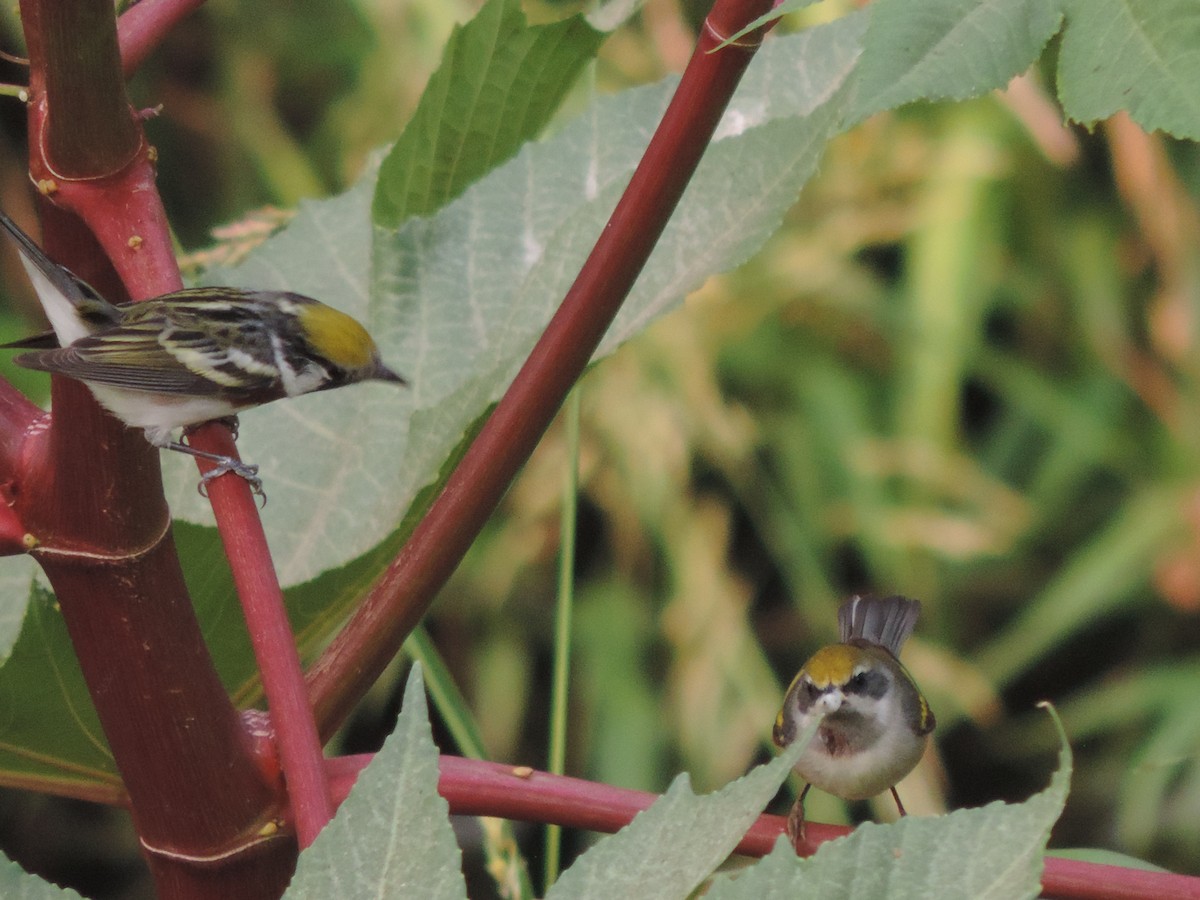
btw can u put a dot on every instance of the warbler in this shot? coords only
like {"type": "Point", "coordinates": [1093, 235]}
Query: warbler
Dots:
{"type": "Point", "coordinates": [191, 356]}
{"type": "Point", "coordinates": [876, 722]}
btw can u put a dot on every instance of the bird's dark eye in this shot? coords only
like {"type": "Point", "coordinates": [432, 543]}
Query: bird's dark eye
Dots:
{"type": "Point", "coordinates": [811, 689]}
{"type": "Point", "coordinates": [857, 683]}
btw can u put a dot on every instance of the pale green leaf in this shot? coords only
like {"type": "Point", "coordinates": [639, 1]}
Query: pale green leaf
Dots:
{"type": "Point", "coordinates": [392, 836]}
{"type": "Point", "coordinates": [460, 298]}
{"type": "Point", "coordinates": [948, 49]}
{"type": "Point", "coordinates": [1137, 55]}
{"type": "Point", "coordinates": [993, 853]}
{"type": "Point", "coordinates": [668, 849]}
{"type": "Point", "coordinates": [16, 578]}
{"type": "Point", "coordinates": [17, 884]}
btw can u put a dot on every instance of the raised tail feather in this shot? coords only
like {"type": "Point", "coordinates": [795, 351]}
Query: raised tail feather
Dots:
{"type": "Point", "coordinates": [887, 621]}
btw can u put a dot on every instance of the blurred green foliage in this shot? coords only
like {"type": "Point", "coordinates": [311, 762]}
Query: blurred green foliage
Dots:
{"type": "Point", "coordinates": [964, 370]}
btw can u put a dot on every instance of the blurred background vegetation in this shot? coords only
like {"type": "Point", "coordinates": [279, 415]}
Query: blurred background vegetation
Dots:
{"type": "Point", "coordinates": [965, 370]}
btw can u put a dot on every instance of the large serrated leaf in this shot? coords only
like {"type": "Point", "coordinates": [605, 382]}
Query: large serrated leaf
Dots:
{"type": "Point", "coordinates": [948, 49]}
{"type": "Point", "coordinates": [992, 853]}
{"type": "Point", "coordinates": [668, 849]}
{"type": "Point", "coordinates": [17, 884]}
{"type": "Point", "coordinates": [461, 297]}
{"type": "Point", "coordinates": [392, 835]}
{"type": "Point", "coordinates": [1135, 55]}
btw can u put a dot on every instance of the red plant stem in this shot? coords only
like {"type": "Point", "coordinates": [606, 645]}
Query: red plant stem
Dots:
{"type": "Point", "coordinates": [13, 534]}
{"type": "Point", "coordinates": [143, 25]}
{"type": "Point", "coordinates": [1071, 879]}
{"type": "Point", "coordinates": [16, 415]}
{"type": "Point", "coordinates": [136, 238]}
{"type": "Point", "coordinates": [400, 597]}
{"type": "Point", "coordinates": [271, 636]}
{"type": "Point", "coordinates": [147, 267]}
{"type": "Point", "coordinates": [89, 492]}
{"type": "Point", "coordinates": [478, 788]}
{"type": "Point", "coordinates": [91, 134]}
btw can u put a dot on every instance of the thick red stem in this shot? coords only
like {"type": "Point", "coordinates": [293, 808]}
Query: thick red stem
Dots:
{"type": "Point", "coordinates": [89, 492]}
{"type": "Point", "coordinates": [124, 212]}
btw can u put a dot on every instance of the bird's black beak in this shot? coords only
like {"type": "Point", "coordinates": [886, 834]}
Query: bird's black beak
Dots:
{"type": "Point", "coordinates": [383, 373]}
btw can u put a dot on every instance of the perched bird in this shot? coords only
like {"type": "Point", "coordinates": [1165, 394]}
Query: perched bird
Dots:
{"type": "Point", "coordinates": [876, 722]}
{"type": "Point", "coordinates": [188, 357]}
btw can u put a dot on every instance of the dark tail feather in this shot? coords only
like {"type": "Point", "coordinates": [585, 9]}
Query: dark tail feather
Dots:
{"type": "Point", "coordinates": [887, 621]}
{"type": "Point", "coordinates": [32, 252]}
{"type": "Point", "coordinates": [28, 247]}
{"type": "Point", "coordinates": [47, 340]}
{"type": "Point", "coordinates": [77, 292]}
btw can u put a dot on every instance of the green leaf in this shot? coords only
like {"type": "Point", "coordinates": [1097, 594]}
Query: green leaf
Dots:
{"type": "Point", "coordinates": [17, 884]}
{"type": "Point", "coordinates": [668, 849]}
{"type": "Point", "coordinates": [392, 836]}
{"type": "Point", "coordinates": [503, 860]}
{"type": "Point", "coordinates": [993, 852]}
{"type": "Point", "coordinates": [460, 298]}
{"type": "Point", "coordinates": [16, 575]}
{"type": "Point", "coordinates": [50, 737]}
{"type": "Point", "coordinates": [1135, 55]}
{"type": "Point", "coordinates": [948, 49]}
{"type": "Point", "coordinates": [499, 83]}
{"type": "Point", "coordinates": [314, 608]}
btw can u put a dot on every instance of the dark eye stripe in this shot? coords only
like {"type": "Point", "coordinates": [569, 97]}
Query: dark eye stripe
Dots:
{"type": "Point", "coordinates": [872, 683]}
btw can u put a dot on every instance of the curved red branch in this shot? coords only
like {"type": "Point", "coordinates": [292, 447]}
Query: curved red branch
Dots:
{"type": "Point", "coordinates": [142, 27]}
{"type": "Point", "coordinates": [270, 635]}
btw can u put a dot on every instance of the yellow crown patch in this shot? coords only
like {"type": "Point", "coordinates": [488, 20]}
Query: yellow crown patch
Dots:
{"type": "Point", "coordinates": [336, 336]}
{"type": "Point", "coordinates": [832, 665]}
